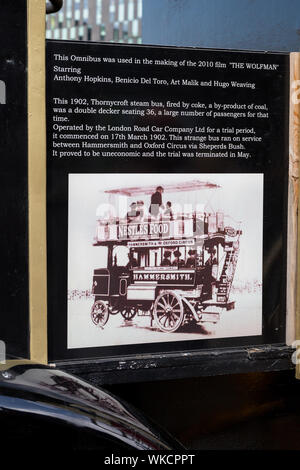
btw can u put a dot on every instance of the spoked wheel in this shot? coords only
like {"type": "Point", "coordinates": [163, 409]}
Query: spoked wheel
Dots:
{"type": "Point", "coordinates": [99, 313]}
{"type": "Point", "coordinates": [168, 311]}
{"type": "Point", "coordinates": [128, 312]}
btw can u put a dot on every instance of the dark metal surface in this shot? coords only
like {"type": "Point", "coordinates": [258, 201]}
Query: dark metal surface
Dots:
{"type": "Point", "coordinates": [255, 411]}
{"type": "Point", "coordinates": [149, 367]}
{"type": "Point", "coordinates": [38, 402]}
{"type": "Point", "coordinates": [13, 179]}
{"type": "Point", "coordinates": [53, 6]}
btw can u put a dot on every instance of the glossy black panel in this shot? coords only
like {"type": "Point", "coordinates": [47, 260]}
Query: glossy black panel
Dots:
{"type": "Point", "coordinates": [42, 405]}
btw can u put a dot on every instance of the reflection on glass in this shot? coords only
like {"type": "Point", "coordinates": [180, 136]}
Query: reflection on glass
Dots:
{"type": "Point", "coordinates": [99, 12]}
{"type": "Point", "coordinates": [130, 14]}
{"type": "Point", "coordinates": [140, 8]}
{"type": "Point", "coordinates": [102, 32]}
{"type": "Point", "coordinates": [73, 32]}
{"type": "Point", "coordinates": [125, 30]}
{"type": "Point", "coordinates": [121, 10]}
{"type": "Point", "coordinates": [81, 33]}
{"type": "Point", "coordinates": [117, 20]}
{"type": "Point", "coordinates": [135, 28]}
{"type": "Point", "coordinates": [112, 9]}
{"type": "Point", "coordinates": [69, 8]}
{"type": "Point", "coordinates": [116, 31]}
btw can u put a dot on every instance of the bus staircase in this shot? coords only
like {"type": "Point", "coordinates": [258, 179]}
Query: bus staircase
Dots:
{"type": "Point", "coordinates": [226, 279]}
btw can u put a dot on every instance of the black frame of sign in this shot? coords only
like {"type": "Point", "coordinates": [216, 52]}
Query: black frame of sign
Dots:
{"type": "Point", "coordinates": [148, 361]}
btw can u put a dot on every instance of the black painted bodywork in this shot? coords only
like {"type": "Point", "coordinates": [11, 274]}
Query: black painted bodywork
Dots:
{"type": "Point", "coordinates": [40, 405]}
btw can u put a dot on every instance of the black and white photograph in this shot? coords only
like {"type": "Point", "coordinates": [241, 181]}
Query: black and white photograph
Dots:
{"type": "Point", "coordinates": [164, 257]}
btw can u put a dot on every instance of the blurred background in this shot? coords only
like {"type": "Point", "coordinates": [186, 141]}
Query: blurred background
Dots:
{"type": "Point", "coordinates": [272, 25]}
{"type": "Point", "coordinates": [97, 20]}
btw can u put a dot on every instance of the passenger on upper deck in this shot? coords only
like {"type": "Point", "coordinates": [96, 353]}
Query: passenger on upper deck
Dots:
{"type": "Point", "coordinates": [168, 213]}
{"type": "Point", "coordinates": [141, 210]}
{"type": "Point", "coordinates": [133, 213]}
{"type": "Point", "coordinates": [156, 202]}
{"type": "Point", "coordinates": [178, 262]}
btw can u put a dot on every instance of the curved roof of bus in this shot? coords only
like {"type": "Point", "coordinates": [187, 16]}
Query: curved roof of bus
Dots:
{"type": "Point", "coordinates": [174, 187]}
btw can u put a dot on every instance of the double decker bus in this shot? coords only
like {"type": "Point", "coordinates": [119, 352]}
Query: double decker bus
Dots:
{"type": "Point", "coordinates": [175, 264]}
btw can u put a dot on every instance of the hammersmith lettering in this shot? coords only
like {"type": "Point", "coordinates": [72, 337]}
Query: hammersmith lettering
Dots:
{"type": "Point", "coordinates": [162, 277]}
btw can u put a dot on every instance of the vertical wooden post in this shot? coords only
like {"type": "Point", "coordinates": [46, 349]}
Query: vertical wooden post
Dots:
{"type": "Point", "coordinates": [36, 10]}
{"type": "Point", "coordinates": [293, 264]}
